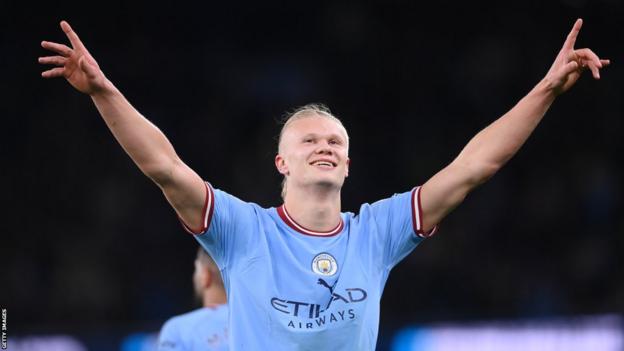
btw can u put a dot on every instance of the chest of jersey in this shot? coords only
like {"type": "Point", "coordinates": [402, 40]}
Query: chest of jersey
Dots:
{"type": "Point", "coordinates": [309, 283]}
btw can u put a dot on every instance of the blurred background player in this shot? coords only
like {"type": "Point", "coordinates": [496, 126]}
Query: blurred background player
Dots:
{"type": "Point", "coordinates": [204, 328]}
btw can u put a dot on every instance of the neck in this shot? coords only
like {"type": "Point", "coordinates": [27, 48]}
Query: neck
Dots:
{"type": "Point", "coordinates": [214, 296]}
{"type": "Point", "coordinates": [317, 210]}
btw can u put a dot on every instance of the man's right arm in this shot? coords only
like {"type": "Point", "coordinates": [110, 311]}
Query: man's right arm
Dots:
{"type": "Point", "coordinates": [148, 147]}
{"type": "Point", "coordinates": [152, 152]}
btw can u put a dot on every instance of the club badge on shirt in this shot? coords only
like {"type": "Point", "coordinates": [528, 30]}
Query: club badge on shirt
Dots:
{"type": "Point", "coordinates": [324, 264]}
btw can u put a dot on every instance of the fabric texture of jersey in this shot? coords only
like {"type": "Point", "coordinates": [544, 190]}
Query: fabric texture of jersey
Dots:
{"type": "Point", "coordinates": [290, 288]}
{"type": "Point", "coordinates": [204, 329]}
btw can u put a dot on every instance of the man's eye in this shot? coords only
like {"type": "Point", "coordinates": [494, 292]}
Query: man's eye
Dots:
{"type": "Point", "coordinates": [334, 142]}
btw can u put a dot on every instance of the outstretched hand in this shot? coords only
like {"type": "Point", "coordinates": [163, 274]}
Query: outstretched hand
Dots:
{"type": "Point", "coordinates": [74, 64]}
{"type": "Point", "coordinates": [570, 63]}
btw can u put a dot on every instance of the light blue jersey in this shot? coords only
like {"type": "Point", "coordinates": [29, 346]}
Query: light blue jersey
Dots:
{"type": "Point", "coordinates": [204, 329]}
{"type": "Point", "coordinates": [290, 288]}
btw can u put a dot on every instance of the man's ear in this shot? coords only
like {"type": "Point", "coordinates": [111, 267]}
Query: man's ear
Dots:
{"type": "Point", "coordinates": [202, 277]}
{"type": "Point", "coordinates": [280, 164]}
{"type": "Point", "coordinates": [207, 278]}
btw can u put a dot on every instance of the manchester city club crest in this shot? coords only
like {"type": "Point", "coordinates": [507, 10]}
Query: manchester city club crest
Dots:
{"type": "Point", "coordinates": [324, 264]}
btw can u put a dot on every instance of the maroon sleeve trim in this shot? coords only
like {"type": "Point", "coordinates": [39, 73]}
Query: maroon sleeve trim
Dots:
{"type": "Point", "coordinates": [417, 221]}
{"type": "Point", "coordinates": [207, 213]}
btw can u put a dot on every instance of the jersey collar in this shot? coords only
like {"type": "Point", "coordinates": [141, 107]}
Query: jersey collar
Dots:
{"type": "Point", "coordinates": [283, 213]}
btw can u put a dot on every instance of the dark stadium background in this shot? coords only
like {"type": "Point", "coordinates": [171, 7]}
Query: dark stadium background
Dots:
{"type": "Point", "coordinates": [89, 245]}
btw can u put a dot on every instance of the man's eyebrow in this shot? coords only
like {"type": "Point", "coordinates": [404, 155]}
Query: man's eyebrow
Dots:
{"type": "Point", "coordinates": [331, 135]}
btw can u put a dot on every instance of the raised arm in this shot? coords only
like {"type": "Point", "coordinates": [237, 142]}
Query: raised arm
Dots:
{"type": "Point", "coordinates": [143, 141]}
{"type": "Point", "coordinates": [491, 148]}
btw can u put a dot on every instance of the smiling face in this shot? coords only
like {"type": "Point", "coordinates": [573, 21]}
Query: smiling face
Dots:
{"type": "Point", "coordinates": [313, 150]}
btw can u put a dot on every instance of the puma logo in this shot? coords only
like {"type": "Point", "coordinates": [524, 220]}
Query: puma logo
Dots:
{"type": "Point", "coordinates": [324, 283]}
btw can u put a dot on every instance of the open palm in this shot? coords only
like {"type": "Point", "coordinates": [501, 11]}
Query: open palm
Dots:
{"type": "Point", "coordinates": [74, 64]}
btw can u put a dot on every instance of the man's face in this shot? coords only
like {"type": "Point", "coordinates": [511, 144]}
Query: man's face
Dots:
{"type": "Point", "coordinates": [313, 151]}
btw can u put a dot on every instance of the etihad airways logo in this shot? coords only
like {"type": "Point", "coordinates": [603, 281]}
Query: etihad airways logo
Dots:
{"type": "Point", "coordinates": [316, 314]}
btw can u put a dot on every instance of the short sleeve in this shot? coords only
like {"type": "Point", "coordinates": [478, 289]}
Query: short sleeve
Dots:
{"type": "Point", "coordinates": [398, 225]}
{"type": "Point", "coordinates": [228, 226]}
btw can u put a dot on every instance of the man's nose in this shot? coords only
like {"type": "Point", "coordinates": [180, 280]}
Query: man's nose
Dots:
{"type": "Point", "coordinates": [324, 148]}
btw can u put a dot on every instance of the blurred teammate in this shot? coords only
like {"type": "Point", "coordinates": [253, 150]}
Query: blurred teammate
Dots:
{"type": "Point", "coordinates": [206, 327]}
{"type": "Point", "coordinates": [304, 275]}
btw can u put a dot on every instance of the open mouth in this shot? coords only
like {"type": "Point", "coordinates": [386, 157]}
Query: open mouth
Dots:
{"type": "Point", "coordinates": [323, 164]}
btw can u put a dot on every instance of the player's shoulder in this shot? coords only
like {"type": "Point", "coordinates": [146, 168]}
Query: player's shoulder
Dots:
{"type": "Point", "coordinates": [223, 195]}
{"type": "Point", "coordinates": [381, 205]}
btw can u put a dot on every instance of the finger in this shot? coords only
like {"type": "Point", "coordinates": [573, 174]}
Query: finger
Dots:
{"type": "Point", "coordinates": [588, 55]}
{"type": "Point", "coordinates": [72, 36]}
{"type": "Point", "coordinates": [594, 69]}
{"type": "Point", "coordinates": [570, 67]}
{"type": "Point", "coordinates": [605, 62]}
{"type": "Point", "coordinates": [61, 49]}
{"type": "Point", "coordinates": [571, 39]}
{"type": "Point", "coordinates": [53, 73]}
{"type": "Point", "coordinates": [53, 60]}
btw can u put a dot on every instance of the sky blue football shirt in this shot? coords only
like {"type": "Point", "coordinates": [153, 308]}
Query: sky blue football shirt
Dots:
{"type": "Point", "coordinates": [290, 288]}
{"type": "Point", "coordinates": [204, 329]}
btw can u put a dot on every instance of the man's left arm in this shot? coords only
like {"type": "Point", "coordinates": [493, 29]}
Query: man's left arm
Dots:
{"type": "Point", "coordinates": [492, 147]}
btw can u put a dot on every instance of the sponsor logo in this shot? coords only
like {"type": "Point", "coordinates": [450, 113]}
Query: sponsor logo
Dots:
{"type": "Point", "coordinates": [324, 264]}
{"type": "Point", "coordinates": [309, 315]}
